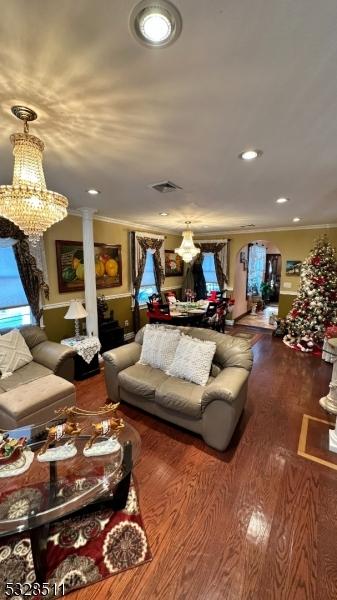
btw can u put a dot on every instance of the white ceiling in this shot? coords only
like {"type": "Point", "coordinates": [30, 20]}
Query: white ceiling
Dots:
{"type": "Point", "coordinates": [118, 116]}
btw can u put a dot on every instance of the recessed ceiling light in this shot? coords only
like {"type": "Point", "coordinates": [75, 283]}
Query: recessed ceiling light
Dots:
{"type": "Point", "coordinates": [250, 154]}
{"type": "Point", "coordinates": [282, 200]}
{"type": "Point", "coordinates": [164, 214]}
{"type": "Point", "coordinates": [93, 192]}
{"type": "Point", "coordinates": [155, 23]}
{"type": "Point", "coordinates": [296, 219]}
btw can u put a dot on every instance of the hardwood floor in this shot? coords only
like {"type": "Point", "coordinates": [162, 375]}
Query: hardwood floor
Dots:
{"type": "Point", "coordinates": [256, 522]}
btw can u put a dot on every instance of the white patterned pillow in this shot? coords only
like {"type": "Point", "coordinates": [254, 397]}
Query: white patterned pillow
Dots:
{"type": "Point", "coordinates": [14, 352]}
{"type": "Point", "coordinates": [193, 360]}
{"type": "Point", "coordinates": [159, 346]}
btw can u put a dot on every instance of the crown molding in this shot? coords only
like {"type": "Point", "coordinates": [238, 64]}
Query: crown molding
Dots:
{"type": "Point", "coordinates": [132, 225]}
{"type": "Point", "coordinates": [269, 229]}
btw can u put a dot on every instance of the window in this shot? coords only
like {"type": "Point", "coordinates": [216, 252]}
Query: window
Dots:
{"type": "Point", "coordinates": [148, 285]}
{"type": "Point", "coordinates": [208, 268]}
{"type": "Point", "coordinates": [14, 307]}
{"type": "Point", "coordinates": [256, 268]}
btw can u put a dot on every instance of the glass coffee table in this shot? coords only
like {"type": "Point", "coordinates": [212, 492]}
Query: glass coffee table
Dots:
{"type": "Point", "coordinates": [48, 491]}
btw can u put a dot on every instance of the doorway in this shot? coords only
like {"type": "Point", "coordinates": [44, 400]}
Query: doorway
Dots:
{"type": "Point", "coordinates": [257, 284]}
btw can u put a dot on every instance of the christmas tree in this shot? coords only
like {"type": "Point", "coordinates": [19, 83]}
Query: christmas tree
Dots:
{"type": "Point", "coordinates": [315, 307]}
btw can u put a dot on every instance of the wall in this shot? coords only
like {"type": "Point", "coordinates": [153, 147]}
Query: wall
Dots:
{"type": "Point", "coordinates": [120, 302]}
{"type": "Point", "coordinates": [293, 244]}
{"type": "Point", "coordinates": [240, 306]}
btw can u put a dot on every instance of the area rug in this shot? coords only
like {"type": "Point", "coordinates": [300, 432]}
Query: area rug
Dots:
{"type": "Point", "coordinates": [81, 550]}
{"type": "Point", "coordinates": [250, 337]}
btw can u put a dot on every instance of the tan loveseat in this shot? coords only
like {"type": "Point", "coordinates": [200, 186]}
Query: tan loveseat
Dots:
{"type": "Point", "coordinates": [211, 411]}
{"type": "Point", "coordinates": [32, 393]}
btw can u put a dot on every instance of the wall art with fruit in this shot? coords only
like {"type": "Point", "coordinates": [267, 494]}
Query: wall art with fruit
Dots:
{"type": "Point", "coordinates": [70, 265]}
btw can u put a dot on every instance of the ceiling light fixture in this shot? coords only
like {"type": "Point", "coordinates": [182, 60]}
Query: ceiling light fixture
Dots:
{"type": "Point", "coordinates": [282, 200]}
{"type": "Point", "coordinates": [250, 154]}
{"type": "Point", "coordinates": [296, 219]}
{"type": "Point", "coordinates": [164, 214]}
{"type": "Point", "coordinates": [27, 202]}
{"type": "Point", "coordinates": [93, 192]}
{"type": "Point", "coordinates": [187, 250]}
{"type": "Point", "coordinates": [155, 23]}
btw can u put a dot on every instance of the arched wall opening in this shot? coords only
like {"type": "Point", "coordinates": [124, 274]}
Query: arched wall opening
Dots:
{"type": "Point", "coordinates": [272, 275]}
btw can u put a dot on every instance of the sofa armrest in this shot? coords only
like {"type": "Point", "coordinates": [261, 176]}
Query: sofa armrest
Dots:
{"type": "Point", "coordinates": [123, 357]}
{"type": "Point", "coordinates": [117, 360]}
{"type": "Point", "coordinates": [227, 386]}
{"type": "Point", "coordinates": [56, 357]}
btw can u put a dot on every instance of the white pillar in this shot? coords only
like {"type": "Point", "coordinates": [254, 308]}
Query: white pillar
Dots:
{"type": "Point", "coordinates": [89, 269]}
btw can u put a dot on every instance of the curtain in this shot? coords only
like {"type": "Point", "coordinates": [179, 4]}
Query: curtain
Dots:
{"type": "Point", "coordinates": [140, 243]}
{"type": "Point", "coordinates": [31, 276]}
{"type": "Point", "coordinates": [220, 252]}
{"type": "Point", "coordinates": [199, 278]}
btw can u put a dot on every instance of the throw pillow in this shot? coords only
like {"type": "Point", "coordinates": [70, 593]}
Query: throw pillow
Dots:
{"type": "Point", "coordinates": [14, 352]}
{"type": "Point", "coordinates": [159, 346]}
{"type": "Point", "coordinates": [193, 360]}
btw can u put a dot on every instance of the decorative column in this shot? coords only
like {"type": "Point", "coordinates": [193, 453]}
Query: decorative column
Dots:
{"type": "Point", "coordinates": [89, 269]}
{"type": "Point", "coordinates": [329, 402]}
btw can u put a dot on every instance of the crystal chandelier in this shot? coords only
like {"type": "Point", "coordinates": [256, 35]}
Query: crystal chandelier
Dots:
{"type": "Point", "coordinates": [27, 202]}
{"type": "Point", "coordinates": [187, 250]}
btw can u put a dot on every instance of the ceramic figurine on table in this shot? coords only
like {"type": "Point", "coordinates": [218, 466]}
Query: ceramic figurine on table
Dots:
{"type": "Point", "coordinates": [57, 433]}
{"type": "Point", "coordinates": [15, 456]}
{"type": "Point", "coordinates": [108, 427]}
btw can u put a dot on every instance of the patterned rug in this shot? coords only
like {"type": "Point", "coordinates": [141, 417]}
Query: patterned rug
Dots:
{"type": "Point", "coordinates": [250, 337]}
{"type": "Point", "coordinates": [81, 550]}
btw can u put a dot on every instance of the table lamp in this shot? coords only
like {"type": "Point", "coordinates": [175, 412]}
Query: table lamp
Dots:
{"type": "Point", "coordinates": [76, 311]}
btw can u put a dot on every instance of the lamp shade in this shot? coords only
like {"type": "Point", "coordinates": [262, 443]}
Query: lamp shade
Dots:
{"type": "Point", "coordinates": [76, 310]}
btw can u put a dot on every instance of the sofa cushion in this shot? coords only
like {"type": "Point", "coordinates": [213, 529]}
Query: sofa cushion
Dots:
{"type": "Point", "coordinates": [33, 335]}
{"type": "Point", "coordinates": [14, 352]}
{"type": "Point", "coordinates": [24, 375]}
{"type": "Point", "coordinates": [34, 396]}
{"type": "Point", "coordinates": [181, 396]}
{"type": "Point", "coordinates": [141, 380]}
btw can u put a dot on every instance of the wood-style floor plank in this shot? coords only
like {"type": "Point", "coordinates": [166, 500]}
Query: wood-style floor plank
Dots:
{"type": "Point", "coordinates": [256, 522]}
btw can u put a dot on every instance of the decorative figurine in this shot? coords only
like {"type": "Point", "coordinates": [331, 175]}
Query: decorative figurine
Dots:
{"type": "Point", "coordinates": [15, 456]}
{"type": "Point", "coordinates": [109, 426]}
{"type": "Point", "coordinates": [55, 434]}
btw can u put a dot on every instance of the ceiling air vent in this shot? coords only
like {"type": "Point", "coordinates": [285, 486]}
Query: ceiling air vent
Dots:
{"type": "Point", "coordinates": [165, 186]}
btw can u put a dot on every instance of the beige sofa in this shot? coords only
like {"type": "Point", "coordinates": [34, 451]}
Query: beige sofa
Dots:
{"type": "Point", "coordinates": [211, 411]}
{"type": "Point", "coordinates": [32, 393]}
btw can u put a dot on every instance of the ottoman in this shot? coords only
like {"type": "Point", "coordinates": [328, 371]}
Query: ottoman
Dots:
{"type": "Point", "coordinates": [35, 402]}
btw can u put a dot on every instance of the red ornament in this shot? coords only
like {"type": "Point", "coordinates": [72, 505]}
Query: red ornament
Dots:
{"type": "Point", "coordinates": [316, 261]}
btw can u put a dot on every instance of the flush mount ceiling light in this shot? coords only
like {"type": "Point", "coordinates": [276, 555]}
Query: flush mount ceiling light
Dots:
{"type": "Point", "coordinates": [155, 23]}
{"type": "Point", "coordinates": [93, 192]}
{"type": "Point", "coordinates": [27, 202]}
{"type": "Point", "coordinates": [282, 200]}
{"type": "Point", "coordinates": [187, 250]}
{"type": "Point", "coordinates": [250, 154]}
{"type": "Point", "coordinates": [164, 214]}
{"type": "Point", "coordinates": [296, 219]}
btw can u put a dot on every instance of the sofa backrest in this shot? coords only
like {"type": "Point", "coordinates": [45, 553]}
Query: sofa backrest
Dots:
{"type": "Point", "coordinates": [33, 335]}
{"type": "Point", "coordinates": [230, 351]}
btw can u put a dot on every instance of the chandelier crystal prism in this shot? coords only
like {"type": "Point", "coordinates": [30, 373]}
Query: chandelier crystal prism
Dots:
{"type": "Point", "coordinates": [187, 250]}
{"type": "Point", "coordinates": [27, 202]}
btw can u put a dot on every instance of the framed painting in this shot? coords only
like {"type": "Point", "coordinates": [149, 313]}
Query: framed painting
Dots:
{"type": "Point", "coordinates": [70, 266]}
{"type": "Point", "coordinates": [173, 264]}
{"type": "Point", "coordinates": [293, 267]}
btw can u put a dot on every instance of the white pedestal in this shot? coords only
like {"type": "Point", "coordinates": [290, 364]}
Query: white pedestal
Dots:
{"type": "Point", "coordinates": [329, 402]}
{"type": "Point", "coordinates": [109, 446]}
{"type": "Point", "coordinates": [60, 453]}
{"type": "Point", "coordinates": [333, 440]}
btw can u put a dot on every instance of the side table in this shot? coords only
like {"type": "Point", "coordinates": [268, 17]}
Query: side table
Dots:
{"type": "Point", "coordinates": [86, 359]}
